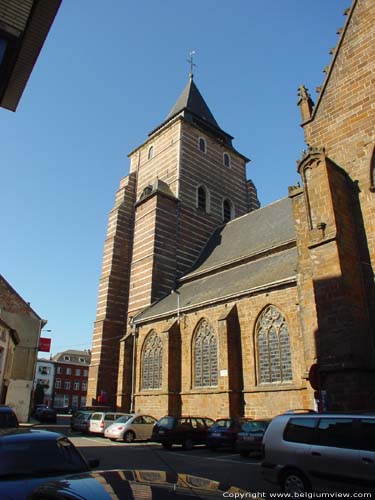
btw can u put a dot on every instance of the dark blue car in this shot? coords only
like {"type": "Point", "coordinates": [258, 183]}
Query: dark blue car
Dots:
{"type": "Point", "coordinates": [223, 433]}
{"type": "Point", "coordinates": [30, 458]}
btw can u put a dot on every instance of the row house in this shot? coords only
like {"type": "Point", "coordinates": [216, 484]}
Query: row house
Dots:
{"type": "Point", "coordinates": [71, 375]}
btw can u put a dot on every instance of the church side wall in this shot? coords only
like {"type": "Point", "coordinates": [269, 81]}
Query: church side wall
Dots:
{"type": "Point", "coordinates": [260, 400]}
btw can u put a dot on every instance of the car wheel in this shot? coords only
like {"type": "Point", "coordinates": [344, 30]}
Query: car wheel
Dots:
{"type": "Point", "coordinates": [188, 444]}
{"type": "Point", "coordinates": [167, 446]}
{"type": "Point", "coordinates": [129, 437]}
{"type": "Point", "coordinates": [245, 453]}
{"type": "Point", "coordinates": [293, 481]}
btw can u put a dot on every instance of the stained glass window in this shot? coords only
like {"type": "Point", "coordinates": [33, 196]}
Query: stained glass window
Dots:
{"type": "Point", "coordinates": [273, 347]}
{"type": "Point", "coordinates": [205, 356]}
{"type": "Point", "coordinates": [152, 359]}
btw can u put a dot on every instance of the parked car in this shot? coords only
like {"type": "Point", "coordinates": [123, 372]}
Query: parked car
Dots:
{"type": "Point", "coordinates": [131, 427]}
{"type": "Point", "coordinates": [46, 415]}
{"type": "Point", "coordinates": [186, 431]}
{"type": "Point", "coordinates": [99, 421]}
{"type": "Point", "coordinates": [31, 457]}
{"type": "Point", "coordinates": [8, 418]}
{"type": "Point", "coordinates": [249, 439]}
{"type": "Point", "coordinates": [223, 432]}
{"type": "Point", "coordinates": [320, 452]}
{"type": "Point", "coordinates": [80, 421]}
{"type": "Point", "coordinates": [121, 484]}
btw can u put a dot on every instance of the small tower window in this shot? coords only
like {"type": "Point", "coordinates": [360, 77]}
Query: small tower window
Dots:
{"type": "Point", "coordinates": [150, 152]}
{"type": "Point", "coordinates": [227, 210]}
{"type": "Point", "coordinates": [227, 160]}
{"type": "Point", "coordinates": [202, 144]}
{"type": "Point", "coordinates": [202, 201]}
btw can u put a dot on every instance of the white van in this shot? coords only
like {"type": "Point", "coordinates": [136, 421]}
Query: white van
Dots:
{"type": "Point", "coordinates": [99, 421]}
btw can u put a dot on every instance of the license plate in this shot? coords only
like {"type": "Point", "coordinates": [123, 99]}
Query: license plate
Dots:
{"type": "Point", "coordinates": [249, 438]}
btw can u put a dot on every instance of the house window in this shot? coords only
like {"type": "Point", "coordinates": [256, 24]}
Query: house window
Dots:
{"type": "Point", "coordinates": [227, 210]}
{"type": "Point", "coordinates": [205, 356]}
{"type": "Point", "coordinates": [226, 160]}
{"type": "Point", "coordinates": [150, 153]}
{"type": "Point", "coordinates": [82, 360]}
{"type": "Point", "coordinates": [75, 399]}
{"type": "Point", "coordinates": [58, 383]}
{"type": "Point", "coordinates": [273, 347]}
{"type": "Point", "coordinates": [202, 144]}
{"type": "Point", "coordinates": [66, 358]}
{"type": "Point", "coordinates": [78, 372]}
{"type": "Point", "coordinates": [152, 359]}
{"type": "Point", "coordinates": [84, 386]}
{"type": "Point", "coordinates": [59, 370]}
{"type": "Point", "coordinates": [83, 400]}
{"type": "Point", "coordinates": [76, 385]}
{"type": "Point", "coordinates": [85, 373]}
{"type": "Point", "coordinates": [68, 371]}
{"type": "Point", "coordinates": [67, 384]}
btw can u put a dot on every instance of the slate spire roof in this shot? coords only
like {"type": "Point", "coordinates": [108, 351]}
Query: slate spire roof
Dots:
{"type": "Point", "coordinates": [191, 100]}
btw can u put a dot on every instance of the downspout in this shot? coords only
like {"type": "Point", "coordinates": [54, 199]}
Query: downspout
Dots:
{"type": "Point", "coordinates": [134, 335]}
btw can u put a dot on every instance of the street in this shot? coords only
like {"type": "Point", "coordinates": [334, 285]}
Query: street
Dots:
{"type": "Point", "coordinates": [224, 466]}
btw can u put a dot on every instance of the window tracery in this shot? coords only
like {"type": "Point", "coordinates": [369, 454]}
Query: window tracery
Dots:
{"type": "Point", "coordinates": [152, 359]}
{"type": "Point", "coordinates": [205, 356]}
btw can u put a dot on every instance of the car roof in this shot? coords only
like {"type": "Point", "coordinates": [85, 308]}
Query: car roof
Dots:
{"type": "Point", "coordinates": [6, 409]}
{"type": "Point", "coordinates": [24, 434]}
{"type": "Point", "coordinates": [325, 415]}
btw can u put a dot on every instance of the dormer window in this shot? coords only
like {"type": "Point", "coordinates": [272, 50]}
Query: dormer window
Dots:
{"type": "Point", "coordinates": [150, 153]}
{"type": "Point", "coordinates": [227, 160]}
{"type": "Point", "coordinates": [81, 360]}
{"type": "Point", "coordinates": [202, 144]}
{"type": "Point", "coordinates": [66, 358]}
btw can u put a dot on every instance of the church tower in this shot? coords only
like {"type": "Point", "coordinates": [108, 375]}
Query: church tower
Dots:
{"type": "Point", "coordinates": [185, 180]}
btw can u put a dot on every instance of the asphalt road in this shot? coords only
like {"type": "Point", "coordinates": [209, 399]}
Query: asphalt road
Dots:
{"type": "Point", "coordinates": [223, 466]}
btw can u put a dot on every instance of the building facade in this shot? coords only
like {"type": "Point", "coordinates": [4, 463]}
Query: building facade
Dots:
{"type": "Point", "coordinates": [45, 376]}
{"type": "Point", "coordinates": [19, 380]}
{"type": "Point", "coordinates": [8, 342]}
{"type": "Point", "coordinates": [208, 303]}
{"type": "Point", "coordinates": [70, 382]}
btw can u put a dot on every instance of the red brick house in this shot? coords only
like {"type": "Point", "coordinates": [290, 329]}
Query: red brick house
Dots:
{"type": "Point", "coordinates": [71, 374]}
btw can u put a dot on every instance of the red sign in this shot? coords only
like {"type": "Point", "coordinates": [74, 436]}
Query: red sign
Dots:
{"type": "Point", "coordinates": [44, 344]}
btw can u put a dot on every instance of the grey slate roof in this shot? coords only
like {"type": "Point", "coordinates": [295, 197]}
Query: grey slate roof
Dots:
{"type": "Point", "coordinates": [192, 100]}
{"type": "Point", "coordinates": [252, 233]}
{"type": "Point", "coordinates": [74, 357]}
{"type": "Point", "coordinates": [230, 283]}
{"type": "Point", "coordinates": [224, 270]}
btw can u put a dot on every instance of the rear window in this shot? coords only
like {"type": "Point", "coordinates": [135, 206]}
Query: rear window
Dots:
{"type": "Point", "coordinates": [97, 416]}
{"type": "Point", "coordinates": [338, 433]}
{"type": "Point", "coordinates": [8, 419]}
{"type": "Point", "coordinates": [224, 423]}
{"type": "Point", "coordinates": [167, 422]}
{"type": "Point", "coordinates": [300, 430]}
{"type": "Point", "coordinates": [124, 419]}
{"type": "Point", "coordinates": [253, 426]}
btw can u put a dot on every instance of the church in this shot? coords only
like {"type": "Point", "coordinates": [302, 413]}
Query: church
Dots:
{"type": "Point", "coordinates": [212, 305]}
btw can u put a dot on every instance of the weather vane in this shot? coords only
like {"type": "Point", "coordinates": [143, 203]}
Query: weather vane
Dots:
{"type": "Point", "coordinates": [191, 62]}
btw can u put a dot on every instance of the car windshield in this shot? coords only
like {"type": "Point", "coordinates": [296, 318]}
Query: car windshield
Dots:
{"type": "Point", "coordinates": [39, 457]}
{"type": "Point", "coordinates": [123, 419]}
{"type": "Point", "coordinates": [221, 424]}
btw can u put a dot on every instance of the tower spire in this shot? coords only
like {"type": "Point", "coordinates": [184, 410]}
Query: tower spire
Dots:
{"type": "Point", "coordinates": [191, 62]}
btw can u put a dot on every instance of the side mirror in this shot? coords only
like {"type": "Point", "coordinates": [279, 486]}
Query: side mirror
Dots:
{"type": "Point", "coordinates": [94, 462]}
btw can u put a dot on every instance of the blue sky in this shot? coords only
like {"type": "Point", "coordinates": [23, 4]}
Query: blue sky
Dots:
{"type": "Point", "coordinates": [107, 75]}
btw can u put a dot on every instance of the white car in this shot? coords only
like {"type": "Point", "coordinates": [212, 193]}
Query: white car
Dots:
{"type": "Point", "coordinates": [131, 427]}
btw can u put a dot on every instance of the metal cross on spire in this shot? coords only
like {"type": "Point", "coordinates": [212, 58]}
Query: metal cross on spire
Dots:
{"type": "Point", "coordinates": [191, 62]}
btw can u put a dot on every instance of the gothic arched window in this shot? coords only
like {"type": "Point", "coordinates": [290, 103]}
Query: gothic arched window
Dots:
{"type": "Point", "coordinates": [273, 347]}
{"type": "Point", "coordinates": [372, 171]}
{"type": "Point", "coordinates": [226, 160]}
{"type": "Point", "coordinates": [202, 201]}
{"type": "Point", "coordinates": [202, 144]}
{"type": "Point", "coordinates": [227, 210]}
{"type": "Point", "coordinates": [150, 153]}
{"type": "Point", "coordinates": [152, 358]}
{"type": "Point", "coordinates": [205, 356]}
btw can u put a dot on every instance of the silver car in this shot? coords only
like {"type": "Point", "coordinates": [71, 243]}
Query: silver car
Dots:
{"type": "Point", "coordinates": [131, 427]}
{"type": "Point", "coordinates": [320, 452]}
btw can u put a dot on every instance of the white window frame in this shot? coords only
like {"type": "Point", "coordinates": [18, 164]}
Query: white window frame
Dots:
{"type": "Point", "coordinates": [76, 385]}
{"type": "Point", "coordinates": [150, 152]}
{"type": "Point", "coordinates": [232, 210]}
